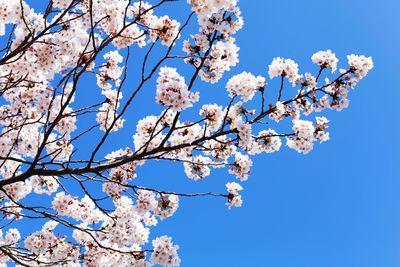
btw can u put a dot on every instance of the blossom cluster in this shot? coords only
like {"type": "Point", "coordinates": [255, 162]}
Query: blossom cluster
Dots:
{"type": "Point", "coordinates": [234, 198]}
{"type": "Point", "coordinates": [218, 20]}
{"type": "Point", "coordinates": [214, 115]}
{"type": "Point", "coordinates": [50, 248]}
{"type": "Point", "coordinates": [165, 252]}
{"type": "Point", "coordinates": [284, 67]}
{"type": "Point", "coordinates": [11, 238]}
{"type": "Point", "coordinates": [245, 85]}
{"type": "Point", "coordinates": [172, 90]}
{"type": "Point", "coordinates": [326, 59]}
{"type": "Point", "coordinates": [125, 228]}
{"type": "Point", "coordinates": [306, 134]}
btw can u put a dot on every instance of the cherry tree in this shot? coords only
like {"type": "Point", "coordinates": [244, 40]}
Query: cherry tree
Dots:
{"type": "Point", "coordinates": [94, 212]}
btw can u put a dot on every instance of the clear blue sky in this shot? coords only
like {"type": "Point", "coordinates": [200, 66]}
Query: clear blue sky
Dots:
{"type": "Point", "coordinates": [339, 206]}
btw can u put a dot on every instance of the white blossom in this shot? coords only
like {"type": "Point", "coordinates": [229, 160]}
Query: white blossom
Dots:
{"type": "Point", "coordinates": [165, 252]}
{"type": "Point", "coordinates": [244, 85]}
{"type": "Point", "coordinates": [172, 90]}
{"type": "Point", "coordinates": [325, 59]}
{"type": "Point", "coordinates": [284, 67]}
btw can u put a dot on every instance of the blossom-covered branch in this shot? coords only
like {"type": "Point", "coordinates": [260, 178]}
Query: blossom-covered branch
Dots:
{"type": "Point", "coordinates": [94, 211]}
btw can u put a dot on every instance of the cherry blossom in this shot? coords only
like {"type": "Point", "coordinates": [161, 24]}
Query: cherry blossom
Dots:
{"type": "Point", "coordinates": [165, 252]}
{"type": "Point", "coordinates": [214, 115]}
{"type": "Point", "coordinates": [361, 65]}
{"type": "Point", "coordinates": [326, 59]}
{"type": "Point", "coordinates": [241, 166]}
{"type": "Point", "coordinates": [172, 90]}
{"type": "Point", "coordinates": [284, 67]}
{"type": "Point", "coordinates": [266, 141]}
{"type": "Point", "coordinates": [234, 199]}
{"type": "Point", "coordinates": [61, 138]}
{"type": "Point", "coordinates": [244, 85]}
{"type": "Point", "coordinates": [197, 169]}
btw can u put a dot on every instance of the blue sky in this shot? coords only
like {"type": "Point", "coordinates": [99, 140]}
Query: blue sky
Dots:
{"type": "Point", "coordinates": [335, 207]}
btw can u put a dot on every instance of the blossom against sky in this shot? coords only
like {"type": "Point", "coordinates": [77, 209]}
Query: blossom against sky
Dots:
{"type": "Point", "coordinates": [343, 210]}
{"type": "Point", "coordinates": [334, 205]}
